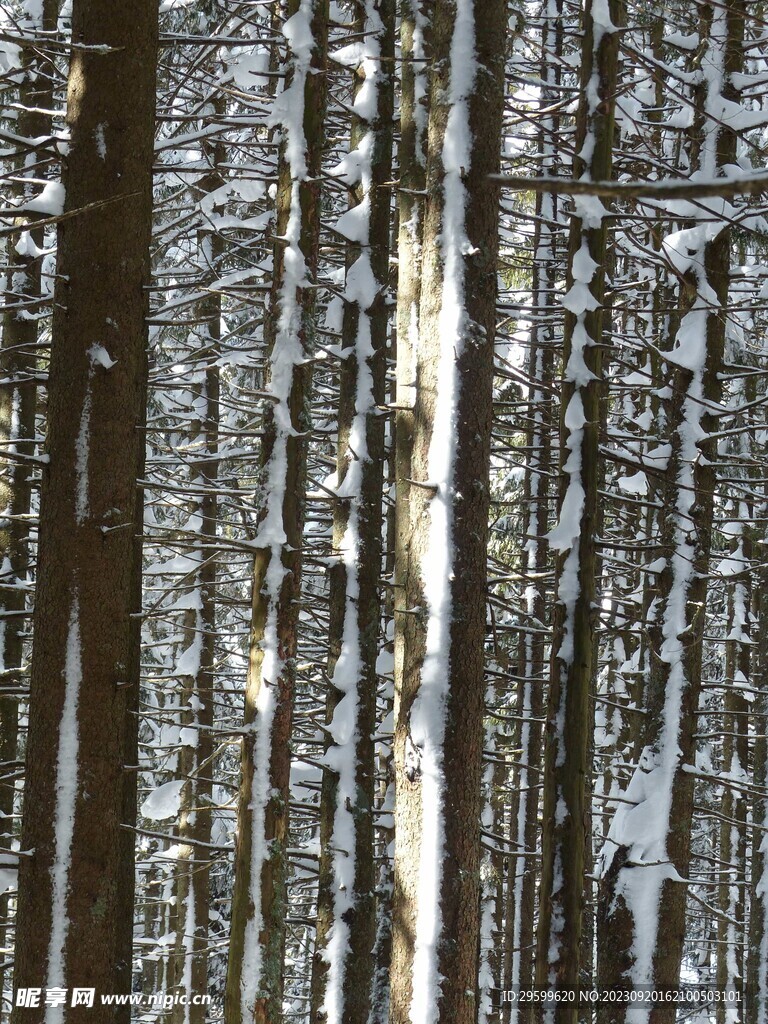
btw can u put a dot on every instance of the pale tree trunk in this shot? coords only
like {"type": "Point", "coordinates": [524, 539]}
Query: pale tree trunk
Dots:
{"type": "Point", "coordinates": [75, 918]}
{"type": "Point", "coordinates": [565, 818]}
{"type": "Point", "coordinates": [342, 969]}
{"type": "Point", "coordinates": [259, 903]}
{"type": "Point", "coordinates": [439, 683]}
{"type": "Point", "coordinates": [412, 159]}
{"type": "Point", "coordinates": [647, 855]}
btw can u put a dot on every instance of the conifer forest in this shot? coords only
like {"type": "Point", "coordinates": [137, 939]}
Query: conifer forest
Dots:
{"type": "Point", "coordinates": [383, 511]}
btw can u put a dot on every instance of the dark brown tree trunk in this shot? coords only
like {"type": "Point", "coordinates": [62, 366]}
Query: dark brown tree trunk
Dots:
{"type": "Point", "coordinates": [75, 916]}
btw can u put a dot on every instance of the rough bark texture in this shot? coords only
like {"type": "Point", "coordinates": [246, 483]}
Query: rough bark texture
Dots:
{"type": "Point", "coordinates": [457, 945]}
{"type": "Point", "coordinates": [412, 166]}
{"type": "Point", "coordinates": [74, 928]}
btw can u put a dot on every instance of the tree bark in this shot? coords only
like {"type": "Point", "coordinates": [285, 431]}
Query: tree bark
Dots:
{"type": "Point", "coordinates": [412, 160]}
{"type": "Point", "coordinates": [439, 682]}
{"type": "Point", "coordinates": [74, 926]}
{"type": "Point", "coordinates": [18, 407]}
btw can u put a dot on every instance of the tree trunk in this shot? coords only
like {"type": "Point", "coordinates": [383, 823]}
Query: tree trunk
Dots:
{"type": "Point", "coordinates": [439, 682]}
{"type": "Point", "coordinates": [342, 969]}
{"type": "Point", "coordinates": [18, 406]}
{"type": "Point", "coordinates": [257, 938]}
{"type": "Point", "coordinates": [75, 915]}
{"type": "Point", "coordinates": [412, 159]}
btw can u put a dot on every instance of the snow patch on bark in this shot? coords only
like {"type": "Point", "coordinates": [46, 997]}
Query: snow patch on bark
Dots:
{"type": "Point", "coordinates": [64, 813]}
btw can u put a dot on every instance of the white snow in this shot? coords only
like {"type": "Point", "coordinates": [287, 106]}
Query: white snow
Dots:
{"type": "Point", "coordinates": [64, 816]}
{"type": "Point", "coordinates": [163, 802]}
{"type": "Point", "coordinates": [100, 140]}
{"type": "Point", "coordinates": [100, 357]}
{"type": "Point", "coordinates": [49, 202]}
{"type": "Point", "coordinates": [428, 713]}
{"type": "Point", "coordinates": [82, 448]}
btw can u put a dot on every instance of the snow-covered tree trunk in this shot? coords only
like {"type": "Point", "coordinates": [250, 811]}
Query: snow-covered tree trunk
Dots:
{"type": "Point", "coordinates": [570, 714]}
{"type": "Point", "coordinates": [645, 862]}
{"type": "Point", "coordinates": [342, 971]}
{"type": "Point", "coordinates": [75, 915]}
{"type": "Point", "coordinates": [259, 907]}
{"type": "Point", "coordinates": [439, 682]}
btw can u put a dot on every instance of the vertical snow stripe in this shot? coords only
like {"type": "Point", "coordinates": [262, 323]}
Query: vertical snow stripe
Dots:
{"type": "Point", "coordinates": [429, 709]}
{"type": "Point", "coordinates": [82, 446]}
{"type": "Point", "coordinates": [66, 799]}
